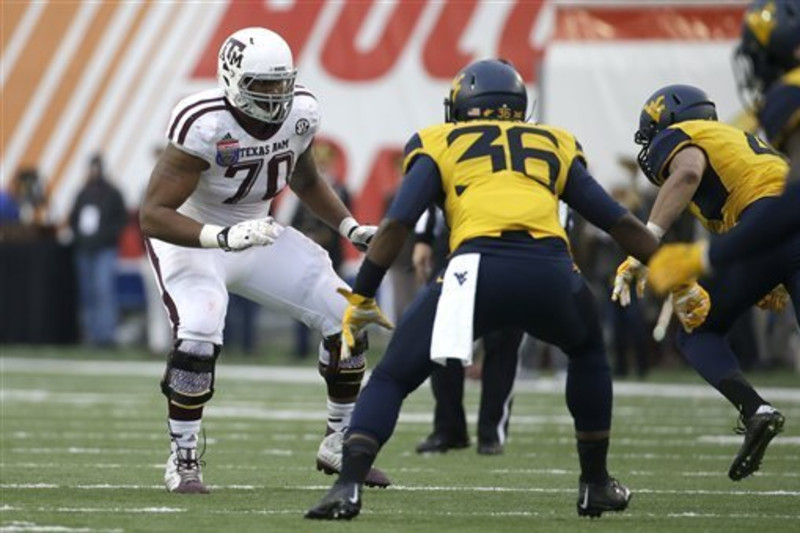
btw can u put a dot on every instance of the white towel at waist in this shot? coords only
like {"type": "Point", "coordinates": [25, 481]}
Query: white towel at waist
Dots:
{"type": "Point", "coordinates": [452, 327]}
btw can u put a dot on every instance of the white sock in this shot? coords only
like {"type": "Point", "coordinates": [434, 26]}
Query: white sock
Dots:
{"type": "Point", "coordinates": [339, 415]}
{"type": "Point", "coordinates": [184, 432]}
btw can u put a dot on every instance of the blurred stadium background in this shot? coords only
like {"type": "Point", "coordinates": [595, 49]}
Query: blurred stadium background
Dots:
{"type": "Point", "coordinates": [100, 77]}
{"type": "Point", "coordinates": [85, 78]}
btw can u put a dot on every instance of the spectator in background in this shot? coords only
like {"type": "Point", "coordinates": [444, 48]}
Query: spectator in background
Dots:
{"type": "Point", "coordinates": [598, 257]}
{"type": "Point", "coordinates": [315, 229]}
{"type": "Point", "coordinates": [23, 201]}
{"type": "Point", "coordinates": [30, 197]}
{"type": "Point", "coordinates": [9, 208]}
{"type": "Point", "coordinates": [96, 220]}
{"type": "Point", "coordinates": [431, 248]}
{"type": "Point", "coordinates": [240, 324]}
{"type": "Point", "coordinates": [627, 323]}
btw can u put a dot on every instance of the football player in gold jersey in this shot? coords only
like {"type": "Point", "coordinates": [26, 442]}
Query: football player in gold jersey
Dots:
{"type": "Point", "coordinates": [723, 175]}
{"type": "Point", "coordinates": [768, 72]}
{"type": "Point", "coordinates": [499, 180]}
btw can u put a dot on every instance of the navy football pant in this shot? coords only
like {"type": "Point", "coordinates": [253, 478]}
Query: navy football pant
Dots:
{"type": "Point", "coordinates": [733, 290]}
{"type": "Point", "coordinates": [769, 227]}
{"type": "Point", "coordinates": [544, 296]}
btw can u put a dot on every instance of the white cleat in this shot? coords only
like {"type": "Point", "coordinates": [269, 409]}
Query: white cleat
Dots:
{"type": "Point", "coordinates": [329, 454]}
{"type": "Point", "coordinates": [183, 473]}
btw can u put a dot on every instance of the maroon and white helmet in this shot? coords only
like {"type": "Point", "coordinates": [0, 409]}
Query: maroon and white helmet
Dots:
{"type": "Point", "coordinates": [251, 56]}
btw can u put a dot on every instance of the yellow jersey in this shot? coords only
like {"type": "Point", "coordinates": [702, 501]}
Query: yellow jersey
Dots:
{"type": "Point", "coordinates": [741, 169]}
{"type": "Point", "coordinates": [498, 176]}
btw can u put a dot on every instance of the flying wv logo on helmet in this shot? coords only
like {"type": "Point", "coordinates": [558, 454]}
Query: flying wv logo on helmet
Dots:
{"type": "Point", "coordinates": [770, 36]}
{"type": "Point", "coordinates": [489, 89]}
{"type": "Point", "coordinates": [654, 108]}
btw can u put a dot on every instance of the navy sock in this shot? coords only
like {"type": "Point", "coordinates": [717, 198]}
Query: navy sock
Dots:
{"type": "Point", "coordinates": [589, 391]}
{"type": "Point", "coordinates": [592, 455]}
{"type": "Point", "coordinates": [740, 393]}
{"type": "Point", "coordinates": [357, 457]}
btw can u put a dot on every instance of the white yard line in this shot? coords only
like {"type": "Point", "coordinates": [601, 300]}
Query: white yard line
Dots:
{"type": "Point", "coordinates": [14, 526]}
{"type": "Point", "coordinates": [504, 471]}
{"type": "Point", "coordinates": [567, 472]}
{"type": "Point", "coordinates": [412, 488]}
{"type": "Point", "coordinates": [11, 365]}
{"type": "Point", "coordinates": [628, 515]}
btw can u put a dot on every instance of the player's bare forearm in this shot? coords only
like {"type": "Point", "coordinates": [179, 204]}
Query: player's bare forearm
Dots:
{"type": "Point", "coordinates": [316, 193]}
{"type": "Point", "coordinates": [168, 225]}
{"type": "Point", "coordinates": [674, 198]}
{"type": "Point", "coordinates": [634, 238]}
{"type": "Point", "coordinates": [388, 242]}
{"type": "Point", "coordinates": [174, 178]}
{"type": "Point", "coordinates": [685, 174]}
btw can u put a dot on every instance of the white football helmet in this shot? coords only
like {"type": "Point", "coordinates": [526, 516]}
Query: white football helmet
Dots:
{"type": "Point", "coordinates": [256, 71]}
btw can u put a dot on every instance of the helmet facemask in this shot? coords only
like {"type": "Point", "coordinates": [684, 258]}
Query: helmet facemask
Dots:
{"type": "Point", "coordinates": [266, 97]}
{"type": "Point", "coordinates": [643, 137]}
{"type": "Point", "coordinates": [747, 85]}
{"type": "Point", "coordinates": [754, 70]}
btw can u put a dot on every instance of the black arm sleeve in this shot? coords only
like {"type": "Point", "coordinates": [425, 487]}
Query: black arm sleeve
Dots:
{"type": "Point", "coordinates": [422, 186]}
{"type": "Point", "coordinates": [589, 199]}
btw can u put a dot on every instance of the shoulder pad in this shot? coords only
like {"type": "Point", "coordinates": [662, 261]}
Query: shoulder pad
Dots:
{"type": "Point", "coordinates": [305, 112]}
{"type": "Point", "coordinates": [664, 146]}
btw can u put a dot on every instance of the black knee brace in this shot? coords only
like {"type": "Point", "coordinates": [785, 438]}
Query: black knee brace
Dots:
{"type": "Point", "coordinates": [188, 381]}
{"type": "Point", "coordinates": [344, 377]}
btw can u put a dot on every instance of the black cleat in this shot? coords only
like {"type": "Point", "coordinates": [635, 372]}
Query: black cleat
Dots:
{"type": "Point", "coordinates": [435, 443]}
{"type": "Point", "coordinates": [758, 431]}
{"type": "Point", "coordinates": [342, 502]}
{"type": "Point", "coordinates": [596, 498]}
{"type": "Point", "coordinates": [490, 448]}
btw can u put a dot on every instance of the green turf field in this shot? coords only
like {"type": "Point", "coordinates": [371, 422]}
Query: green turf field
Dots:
{"type": "Point", "coordinates": [82, 447]}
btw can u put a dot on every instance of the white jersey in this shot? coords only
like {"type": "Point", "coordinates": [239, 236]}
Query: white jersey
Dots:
{"type": "Point", "coordinates": [245, 172]}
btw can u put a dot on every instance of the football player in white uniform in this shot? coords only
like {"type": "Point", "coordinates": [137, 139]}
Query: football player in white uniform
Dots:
{"type": "Point", "coordinates": [205, 219]}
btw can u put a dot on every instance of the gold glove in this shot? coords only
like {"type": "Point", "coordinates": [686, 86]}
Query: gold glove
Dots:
{"type": "Point", "coordinates": [360, 312]}
{"type": "Point", "coordinates": [776, 300]}
{"type": "Point", "coordinates": [692, 305]}
{"type": "Point", "coordinates": [630, 271]}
